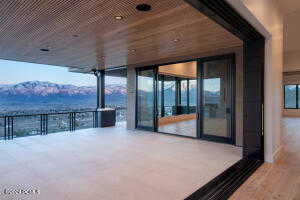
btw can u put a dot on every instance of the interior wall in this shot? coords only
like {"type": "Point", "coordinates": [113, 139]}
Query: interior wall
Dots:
{"type": "Point", "coordinates": [239, 88]}
{"type": "Point", "coordinates": [266, 17]}
{"type": "Point", "coordinates": [291, 40]}
{"type": "Point", "coordinates": [292, 61]}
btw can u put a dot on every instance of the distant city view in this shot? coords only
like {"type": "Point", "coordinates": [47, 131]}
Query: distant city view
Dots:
{"type": "Point", "coordinates": [28, 90]}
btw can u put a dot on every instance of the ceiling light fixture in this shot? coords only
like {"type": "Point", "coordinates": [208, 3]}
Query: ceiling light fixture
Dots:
{"type": "Point", "coordinates": [45, 50]}
{"type": "Point", "coordinates": [143, 7]}
{"type": "Point", "coordinates": [176, 40]}
{"type": "Point", "coordinates": [119, 17]}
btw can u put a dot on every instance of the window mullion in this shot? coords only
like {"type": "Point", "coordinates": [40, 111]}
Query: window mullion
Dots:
{"type": "Point", "coordinates": [297, 97]}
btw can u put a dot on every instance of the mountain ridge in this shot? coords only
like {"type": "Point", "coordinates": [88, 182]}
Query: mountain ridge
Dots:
{"type": "Point", "coordinates": [44, 88]}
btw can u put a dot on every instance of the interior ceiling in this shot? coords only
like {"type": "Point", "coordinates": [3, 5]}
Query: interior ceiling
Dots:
{"type": "Point", "coordinates": [84, 34]}
{"type": "Point", "coordinates": [184, 70]}
{"type": "Point", "coordinates": [289, 6]}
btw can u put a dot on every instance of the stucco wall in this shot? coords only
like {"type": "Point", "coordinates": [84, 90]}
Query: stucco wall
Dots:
{"type": "Point", "coordinates": [131, 85]}
{"type": "Point", "coordinates": [266, 17]}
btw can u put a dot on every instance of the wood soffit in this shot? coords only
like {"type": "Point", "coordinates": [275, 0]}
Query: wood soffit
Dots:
{"type": "Point", "coordinates": [84, 34]}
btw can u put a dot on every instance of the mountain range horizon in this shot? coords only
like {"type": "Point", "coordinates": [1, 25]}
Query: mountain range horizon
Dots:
{"type": "Point", "coordinates": [45, 88]}
{"type": "Point", "coordinates": [33, 96]}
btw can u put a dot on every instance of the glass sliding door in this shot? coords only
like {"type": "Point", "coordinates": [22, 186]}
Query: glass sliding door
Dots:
{"type": "Point", "coordinates": [192, 94]}
{"type": "Point", "coordinates": [177, 99]}
{"type": "Point", "coordinates": [145, 108]}
{"type": "Point", "coordinates": [184, 96]}
{"type": "Point", "coordinates": [169, 96]}
{"type": "Point", "coordinates": [216, 99]}
{"type": "Point", "coordinates": [197, 104]}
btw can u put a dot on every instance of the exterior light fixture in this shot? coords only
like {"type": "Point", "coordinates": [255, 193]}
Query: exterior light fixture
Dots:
{"type": "Point", "coordinates": [143, 7]}
{"type": "Point", "coordinates": [119, 17]}
{"type": "Point", "coordinates": [45, 50]}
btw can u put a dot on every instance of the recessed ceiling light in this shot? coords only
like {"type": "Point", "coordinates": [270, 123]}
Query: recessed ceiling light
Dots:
{"type": "Point", "coordinates": [45, 50]}
{"type": "Point", "coordinates": [118, 17]}
{"type": "Point", "coordinates": [143, 7]}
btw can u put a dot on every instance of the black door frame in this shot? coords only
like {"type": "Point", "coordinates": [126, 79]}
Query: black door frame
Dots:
{"type": "Point", "coordinates": [224, 185]}
{"type": "Point", "coordinates": [154, 111]}
{"type": "Point", "coordinates": [254, 57]}
{"type": "Point", "coordinates": [200, 95]}
{"type": "Point", "coordinates": [199, 106]}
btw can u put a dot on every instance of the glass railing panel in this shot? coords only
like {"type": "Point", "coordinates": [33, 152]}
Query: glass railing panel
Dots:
{"type": "Point", "coordinates": [26, 125]}
{"type": "Point", "coordinates": [84, 120]}
{"type": "Point", "coordinates": [58, 123]}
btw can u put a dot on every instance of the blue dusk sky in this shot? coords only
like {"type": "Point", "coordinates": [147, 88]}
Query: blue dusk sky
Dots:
{"type": "Point", "coordinates": [12, 72]}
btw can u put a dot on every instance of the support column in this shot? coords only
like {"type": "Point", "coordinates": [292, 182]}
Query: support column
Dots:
{"type": "Point", "coordinates": [100, 75]}
{"type": "Point", "coordinates": [163, 112]}
{"type": "Point", "coordinates": [188, 96]}
{"type": "Point", "coordinates": [131, 98]}
{"type": "Point", "coordinates": [177, 94]}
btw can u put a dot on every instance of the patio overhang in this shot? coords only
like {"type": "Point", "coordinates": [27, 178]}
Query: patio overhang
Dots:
{"type": "Point", "coordinates": [105, 34]}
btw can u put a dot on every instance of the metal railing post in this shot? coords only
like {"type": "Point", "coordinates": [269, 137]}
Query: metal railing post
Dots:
{"type": "Point", "coordinates": [44, 124]}
{"type": "Point", "coordinates": [5, 129]}
{"type": "Point", "coordinates": [9, 132]}
{"type": "Point", "coordinates": [74, 121]}
{"type": "Point", "coordinates": [41, 125]}
{"type": "Point", "coordinates": [72, 124]}
{"type": "Point", "coordinates": [47, 124]}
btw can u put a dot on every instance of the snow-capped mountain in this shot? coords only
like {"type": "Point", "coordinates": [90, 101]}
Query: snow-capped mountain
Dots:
{"type": "Point", "coordinates": [39, 88]}
{"type": "Point", "coordinates": [43, 96]}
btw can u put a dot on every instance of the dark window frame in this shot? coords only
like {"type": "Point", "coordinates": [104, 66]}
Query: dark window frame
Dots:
{"type": "Point", "coordinates": [178, 94]}
{"type": "Point", "coordinates": [297, 97]}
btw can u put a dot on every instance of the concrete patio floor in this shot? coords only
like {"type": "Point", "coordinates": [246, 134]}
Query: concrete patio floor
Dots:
{"type": "Point", "coordinates": [110, 164]}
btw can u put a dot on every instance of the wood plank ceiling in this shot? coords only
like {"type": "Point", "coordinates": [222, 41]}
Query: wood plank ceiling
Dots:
{"type": "Point", "coordinates": [84, 34]}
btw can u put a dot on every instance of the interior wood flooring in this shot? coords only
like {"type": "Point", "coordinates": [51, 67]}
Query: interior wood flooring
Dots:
{"type": "Point", "coordinates": [280, 180]}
